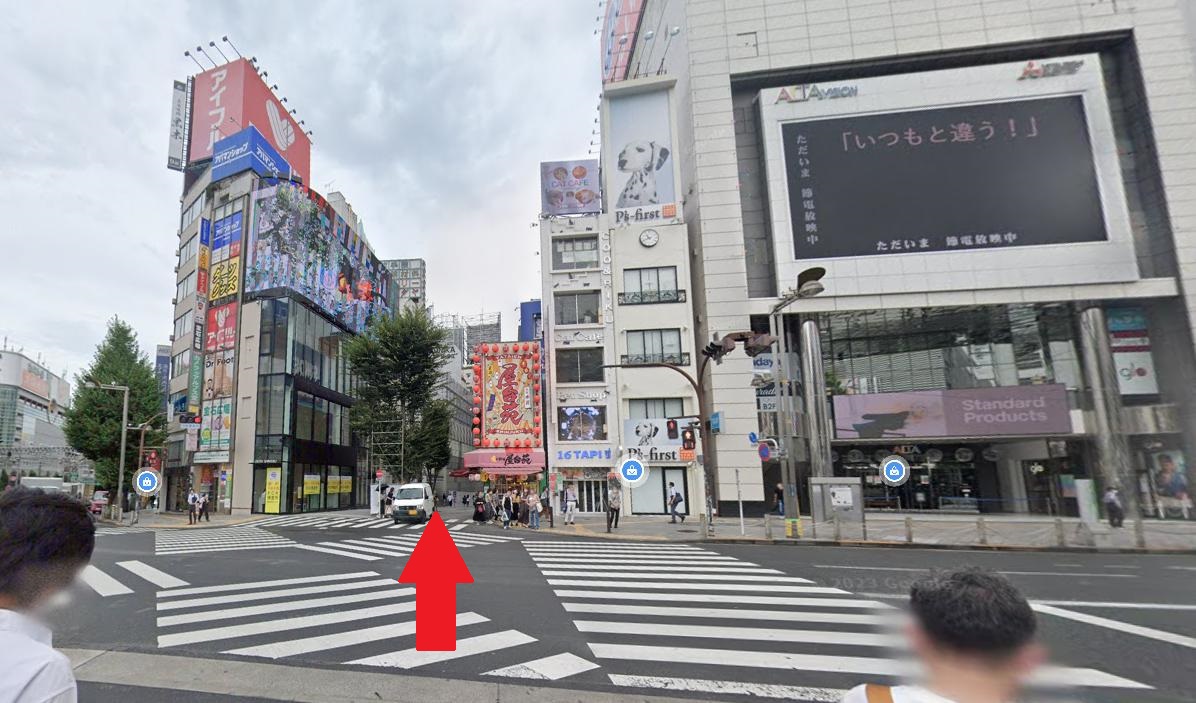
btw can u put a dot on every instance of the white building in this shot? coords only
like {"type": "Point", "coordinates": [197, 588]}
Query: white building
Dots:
{"type": "Point", "coordinates": [1107, 89]}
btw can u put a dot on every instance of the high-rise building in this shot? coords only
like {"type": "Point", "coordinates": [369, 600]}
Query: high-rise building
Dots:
{"type": "Point", "coordinates": [33, 406]}
{"type": "Point", "coordinates": [992, 204]}
{"type": "Point", "coordinates": [272, 279]}
{"type": "Point", "coordinates": [409, 278]}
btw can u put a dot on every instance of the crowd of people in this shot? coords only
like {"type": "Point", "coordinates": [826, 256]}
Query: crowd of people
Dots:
{"type": "Point", "coordinates": [515, 507]}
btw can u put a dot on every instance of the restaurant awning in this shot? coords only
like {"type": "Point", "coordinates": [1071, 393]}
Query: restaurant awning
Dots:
{"type": "Point", "coordinates": [506, 462]}
{"type": "Point", "coordinates": [458, 473]}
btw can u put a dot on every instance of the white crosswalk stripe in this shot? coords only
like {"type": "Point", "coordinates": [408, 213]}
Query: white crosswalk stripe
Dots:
{"type": "Point", "coordinates": [102, 583]}
{"type": "Point", "coordinates": [400, 545]}
{"type": "Point", "coordinates": [122, 530]}
{"type": "Point", "coordinates": [360, 618]}
{"type": "Point", "coordinates": [219, 539]}
{"type": "Point", "coordinates": [652, 615]}
{"type": "Point", "coordinates": [357, 520]}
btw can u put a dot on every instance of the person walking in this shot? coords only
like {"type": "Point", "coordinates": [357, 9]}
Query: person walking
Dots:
{"type": "Point", "coordinates": [1113, 507]}
{"type": "Point", "coordinates": [203, 509]}
{"type": "Point", "coordinates": [614, 504]}
{"type": "Point", "coordinates": [46, 540]}
{"type": "Point", "coordinates": [570, 505]}
{"type": "Point", "coordinates": [388, 502]}
{"type": "Point", "coordinates": [778, 495]}
{"type": "Point", "coordinates": [533, 508]}
{"type": "Point", "coordinates": [675, 501]}
{"type": "Point", "coordinates": [192, 507]}
{"type": "Point", "coordinates": [507, 505]}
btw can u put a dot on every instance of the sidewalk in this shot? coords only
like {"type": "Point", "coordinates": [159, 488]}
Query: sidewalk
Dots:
{"type": "Point", "coordinates": [154, 521]}
{"type": "Point", "coordinates": [901, 529]}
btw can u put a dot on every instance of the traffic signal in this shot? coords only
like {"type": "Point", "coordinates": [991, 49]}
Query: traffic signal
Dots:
{"type": "Point", "coordinates": [671, 429]}
{"type": "Point", "coordinates": [759, 344]}
{"type": "Point", "coordinates": [687, 439]}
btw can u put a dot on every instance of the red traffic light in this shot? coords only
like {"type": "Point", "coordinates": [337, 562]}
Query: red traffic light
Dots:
{"type": "Point", "coordinates": [671, 429]}
{"type": "Point", "coordinates": [688, 440]}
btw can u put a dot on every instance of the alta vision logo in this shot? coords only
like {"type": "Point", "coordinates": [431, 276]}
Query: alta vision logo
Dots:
{"type": "Point", "coordinates": [284, 132]}
{"type": "Point", "coordinates": [811, 91]}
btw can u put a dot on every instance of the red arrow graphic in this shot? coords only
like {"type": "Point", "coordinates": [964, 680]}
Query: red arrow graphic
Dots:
{"type": "Point", "coordinates": [436, 567]}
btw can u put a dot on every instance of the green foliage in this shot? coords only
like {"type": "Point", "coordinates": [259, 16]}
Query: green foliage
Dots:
{"type": "Point", "coordinates": [398, 363]}
{"type": "Point", "coordinates": [428, 443]}
{"type": "Point", "coordinates": [3, 479]}
{"type": "Point", "coordinates": [93, 422]}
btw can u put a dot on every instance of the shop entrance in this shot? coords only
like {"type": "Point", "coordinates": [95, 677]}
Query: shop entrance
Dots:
{"type": "Point", "coordinates": [591, 496]}
{"type": "Point", "coordinates": [942, 478]}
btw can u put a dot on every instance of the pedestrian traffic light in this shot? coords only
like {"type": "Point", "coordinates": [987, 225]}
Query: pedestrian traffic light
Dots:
{"type": "Point", "coordinates": [671, 429]}
{"type": "Point", "coordinates": [687, 439]}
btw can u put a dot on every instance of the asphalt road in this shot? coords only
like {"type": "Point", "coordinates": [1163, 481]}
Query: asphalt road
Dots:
{"type": "Point", "coordinates": [715, 622]}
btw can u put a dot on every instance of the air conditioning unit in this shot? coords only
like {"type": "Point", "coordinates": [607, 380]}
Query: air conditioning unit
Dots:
{"type": "Point", "coordinates": [172, 338]}
{"type": "Point", "coordinates": [174, 301]}
{"type": "Point", "coordinates": [176, 269]}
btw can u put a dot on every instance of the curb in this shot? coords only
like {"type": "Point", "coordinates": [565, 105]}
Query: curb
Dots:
{"type": "Point", "coordinates": [949, 547]}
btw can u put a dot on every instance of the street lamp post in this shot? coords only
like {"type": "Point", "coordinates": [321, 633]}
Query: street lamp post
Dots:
{"type": "Point", "coordinates": [116, 512]}
{"type": "Point", "coordinates": [808, 286]}
{"type": "Point", "coordinates": [140, 456]}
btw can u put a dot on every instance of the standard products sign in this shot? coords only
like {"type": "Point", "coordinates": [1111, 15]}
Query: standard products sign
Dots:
{"type": "Point", "coordinates": [964, 412]}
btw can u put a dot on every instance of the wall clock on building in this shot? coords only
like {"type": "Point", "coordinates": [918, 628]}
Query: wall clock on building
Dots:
{"type": "Point", "coordinates": [649, 237]}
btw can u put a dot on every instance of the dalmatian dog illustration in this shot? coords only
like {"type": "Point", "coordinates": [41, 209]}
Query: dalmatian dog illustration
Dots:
{"type": "Point", "coordinates": [645, 431]}
{"type": "Point", "coordinates": [642, 160]}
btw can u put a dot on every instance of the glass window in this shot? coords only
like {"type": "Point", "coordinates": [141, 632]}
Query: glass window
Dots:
{"type": "Point", "coordinates": [185, 287]}
{"type": "Point", "coordinates": [189, 249]}
{"type": "Point", "coordinates": [193, 211]}
{"type": "Point", "coordinates": [575, 253]}
{"type": "Point", "coordinates": [179, 364]}
{"type": "Point", "coordinates": [184, 326]}
{"type": "Point", "coordinates": [319, 431]}
{"type": "Point", "coordinates": [654, 346]}
{"type": "Point", "coordinates": [650, 280]}
{"type": "Point", "coordinates": [579, 366]}
{"type": "Point", "coordinates": [304, 410]}
{"type": "Point", "coordinates": [648, 408]}
{"type": "Point", "coordinates": [577, 308]}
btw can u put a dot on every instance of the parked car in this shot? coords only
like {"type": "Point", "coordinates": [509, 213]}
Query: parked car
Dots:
{"type": "Point", "coordinates": [413, 501]}
{"type": "Point", "coordinates": [99, 501]}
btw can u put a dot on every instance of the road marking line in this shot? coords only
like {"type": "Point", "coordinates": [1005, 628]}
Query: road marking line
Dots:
{"type": "Point", "coordinates": [1183, 568]}
{"type": "Point", "coordinates": [1149, 632]}
{"type": "Point", "coordinates": [1122, 566]}
{"type": "Point", "coordinates": [372, 549]}
{"type": "Point", "coordinates": [1048, 676]}
{"type": "Point", "coordinates": [729, 613]}
{"type": "Point", "coordinates": [553, 668]}
{"type": "Point", "coordinates": [500, 538]}
{"type": "Point", "coordinates": [721, 598]}
{"type": "Point", "coordinates": [196, 590]}
{"type": "Point", "coordinates": [862, 639]}
{"type": "Point", "coordinates": [411, 658]}
{"type": "Point", "coordinates": [159, 578]}
{"type": "Point", "coordinates": [761, 690]}
{"type": "Point", "coordinates": [285, 606]}
{"type": "Point", "coordinates": [341, 552]}
{"type": "Point", "coordinates": [670, 585]}
{"type": "Point", "coordinates": [607, 545]}
{"type": "Point", "coordinates": [258, 628]}
{"type": "Point", "coordinates": [1007, 573]}
{"type": "Point", "coordinates": [656, 567]}
{"type": "Point", "coordinates": [102, 583]}
{"type": "Point", "coordinates": [458, 528]}
{"type": "Point", "coordinates": [624, 550]}
{"type": "Point", "coordinates": [630, 560]}
{"type": "Point", "coordinates": [688, 577]}
{"type": "Point", "coordinates": [392, 541]}
{"type": "Point", "coordinates": [320, 643]}
{"type": "Point", "coordinates": [1066, 603]}
{"type": "Point", "coordinates": [416, 526]}
{"type": "Point", "coordinates": [267, 595]}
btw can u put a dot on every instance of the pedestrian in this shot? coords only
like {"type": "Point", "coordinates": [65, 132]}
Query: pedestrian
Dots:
{"type": "Point", "coordinates": [192, 507]}
{"type": "Point", "coordinates": [507, 505]}
{"type": "Point", "coordinates": [45, 541]}
{"type": "Point", "coordinates": [203, 509]}
{"type": "Point", "coordinates": [382, 500]}
{"type": "Point", "coordinates": [525, 509]}
{"type": "Point", "coordinates": [675, 501]}
{"type": "Point", "coordinates": [973, 634]}
{"type": "Point", "coordinates": [778, 495]}
{"type": "Point", "coordinates": [570, 505]}
{"type": "Point", "coordinates": [1113, 507]}
{"type": "Point", "coordinates": [479, 509]}
{"type": "Point", "coordinates": [388, 502]}
{"type": "Point", "coordinates": [534, 510]}
{"type": "Point", "coordinates": [614, 504]}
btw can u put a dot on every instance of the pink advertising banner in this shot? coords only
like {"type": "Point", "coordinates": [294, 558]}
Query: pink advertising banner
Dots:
{"type": "Point", "coordinates": [961, 412]}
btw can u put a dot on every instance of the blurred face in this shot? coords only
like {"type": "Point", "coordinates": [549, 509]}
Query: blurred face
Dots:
{"type": "Point", "coordinates": [1016, 666]}
{"type": "Point", "coordinates": [42, 590]}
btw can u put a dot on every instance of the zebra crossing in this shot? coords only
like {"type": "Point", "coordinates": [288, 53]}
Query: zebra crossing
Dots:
{"type": "Point", "coordinates": [325, 521]}
{"type": "Point", "coordinates": [122, 530]}
{"type": "Point", "coordinates": [359, 618]}
{"type": "Point", "coordinates": [216, 539]}
{"type": "Point", "coordinates": [381, 546]}
{"type": "Point", "coordinates": [107, 584]}
{"type": "Point", "coordinates": [655, 615]}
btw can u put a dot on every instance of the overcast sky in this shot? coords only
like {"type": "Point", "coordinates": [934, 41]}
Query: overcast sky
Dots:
{"type": "Point", "coordinates": [431, 117]}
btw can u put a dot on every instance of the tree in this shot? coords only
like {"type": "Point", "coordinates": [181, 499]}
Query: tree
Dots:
{"type": "Point", "coordinates": [398, 362]}
{"type": "Point", "coordinates": [93, 422]}
{"type": "Point", "coordinates": [3, 479]}
{"type": "Point", "coordinates": [429, 450]}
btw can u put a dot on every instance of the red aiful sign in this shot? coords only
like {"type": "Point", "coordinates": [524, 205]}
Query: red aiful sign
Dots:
{"type": "Point", "coordinates": [507, 395]}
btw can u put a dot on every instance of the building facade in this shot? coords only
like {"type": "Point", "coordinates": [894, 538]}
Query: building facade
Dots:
{"type": "Point", "coordinates": [33, 406]}
{"type": "Point", "coordinates": [410, 283]}
{"type": "Point", "coordinates": [887, 142]}
{"type": "Point", "coordinates": [531, 322]}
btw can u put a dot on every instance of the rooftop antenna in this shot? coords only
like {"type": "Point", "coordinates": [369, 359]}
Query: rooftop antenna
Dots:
{"type": "Point", "coordinates": [213, 45]}
{"type": "Point", "coordinates": [226, 40]}
{"type": "Point", "coordinates": [197, 63]}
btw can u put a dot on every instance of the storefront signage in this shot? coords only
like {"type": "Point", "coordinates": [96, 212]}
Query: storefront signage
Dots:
{"type": "Point", "coordinates": [1033, 69]}
{"type": "Point", "coordinates": [583, 395]}
{"type": "Point", "coordinates": [1129, 338]}
{"type": "Point", "coordinates": [311, 485]}
{"type": "Point", "coordinates": [273, 489]}
{"type": "Point", "coordinates": [812, 91]}
{"type": "Point", "coordinates": [964, 412]}
{"type": "Point", "coordinates": [210, 457]}
{"type": "Point", "coordinates": [570, 454]}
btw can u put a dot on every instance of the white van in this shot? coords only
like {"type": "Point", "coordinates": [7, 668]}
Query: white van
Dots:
{"type": "Point", "coordinates": [413, 501]}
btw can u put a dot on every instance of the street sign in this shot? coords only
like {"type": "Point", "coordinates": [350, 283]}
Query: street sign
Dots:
{"type": "Point", "coordinates": [841, 497]}
{"type": "Point", "coordinates": [894, 470]}
{"type": "Point", "coordinates": [688, 455]}
{"type": "Point", "coordinates": [753, 438]}
{"type": "Point", "coordinates": [147, 482]}
{"type": "Point", "coordinates": [633, 472]}
{"type": "Point", "coordinates": [764, 451]}
{"type": "Point", "coordinates": [716, 422]}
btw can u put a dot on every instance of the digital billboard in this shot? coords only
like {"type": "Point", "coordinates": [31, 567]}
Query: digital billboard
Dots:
{"type": "Point", "coordinates": [507, 387]}
{"type": "Point", "coordinates": [231, 97]}
{"type": "Point", "coordinates": [956, 412]}
{"type": "Point", "coordinates": [297, 241]}
{"type": "Point", "coordinates": [569, 187]}
{"type": "Point", "coordinates": [961, 178]}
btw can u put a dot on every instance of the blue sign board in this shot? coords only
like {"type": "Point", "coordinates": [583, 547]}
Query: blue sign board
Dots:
{"type": "Point", "coordinates": [753, 438]}
{"type": "Point", "coordinates": [1126, 319]}
{"type": "Point", "coordinates": [226, 230]}
{"type": "Point", "coordinates": [205, 231]}
{"type": "Point", "coordinates": [764, 451]}
{"type": "Point", "coordinates": [244, 151]}
{"type": "Point", "coordinates": [716, 422]}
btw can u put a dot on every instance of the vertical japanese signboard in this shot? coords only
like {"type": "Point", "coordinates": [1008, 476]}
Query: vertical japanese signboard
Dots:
{"type": "Point", "coordinates": [507, 382]}
{"type": "Point", "coordinates": [175, 158]}
{"type": "Point", "coordinates": [272, 501]}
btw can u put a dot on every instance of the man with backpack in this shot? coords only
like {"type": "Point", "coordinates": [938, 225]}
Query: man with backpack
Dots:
{"type": "Point", "coordinates": [973, 633]}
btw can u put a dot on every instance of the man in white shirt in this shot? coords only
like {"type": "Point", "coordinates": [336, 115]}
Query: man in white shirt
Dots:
{"type": "Point", "coordinates": [973, 633]}
{"type": "Point", "coordinates": [570, 505]}
{"type": "Point", "coordinates": [45, 540]}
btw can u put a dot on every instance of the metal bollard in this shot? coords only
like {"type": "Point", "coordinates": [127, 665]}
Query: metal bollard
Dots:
{"type": "Point", "coordinates": [982, 530]}
{"type": "Point", "coordinates": [909, 529]}
{"type": "Point", "coordinates": [837, 527]}
{"type": "Point", "coordinates": [1060, 536]}
{"type": "Point", "coordinates": [767, 526]}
